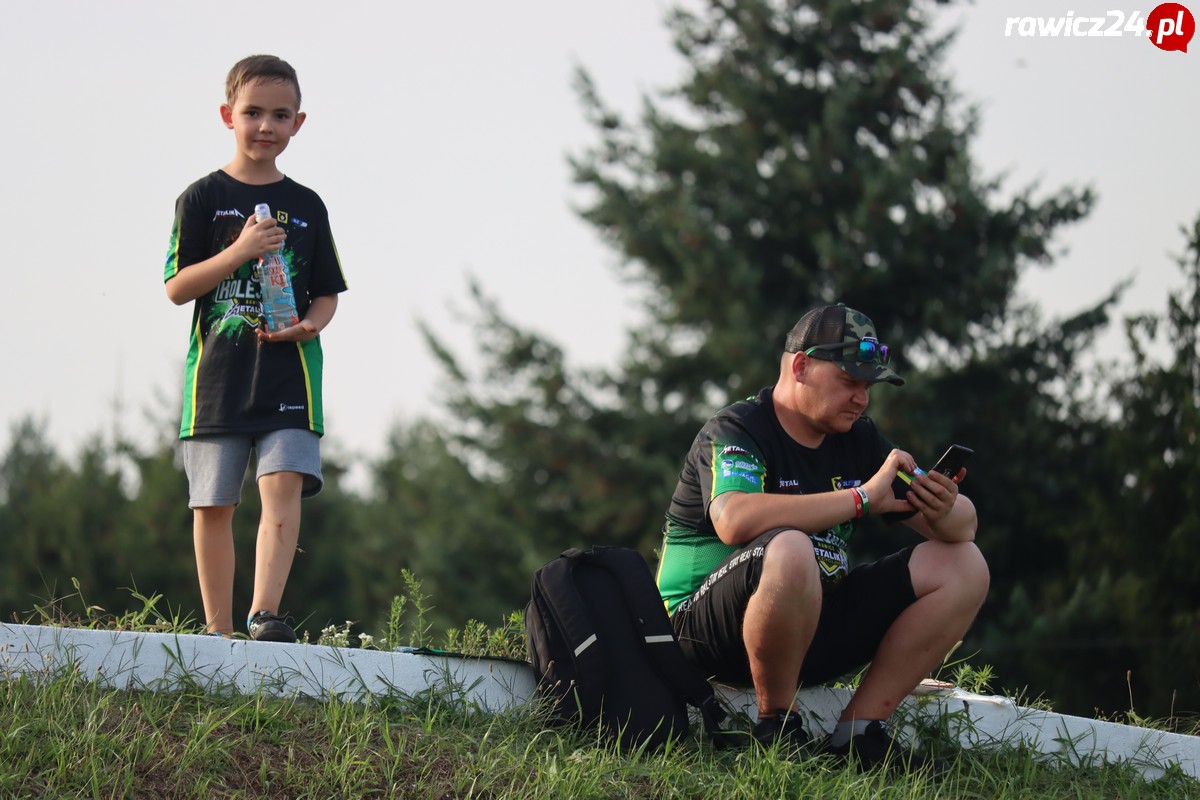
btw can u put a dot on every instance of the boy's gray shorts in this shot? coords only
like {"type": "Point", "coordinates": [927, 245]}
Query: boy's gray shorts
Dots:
{"type": "Point", "coordinates": [216, 463]}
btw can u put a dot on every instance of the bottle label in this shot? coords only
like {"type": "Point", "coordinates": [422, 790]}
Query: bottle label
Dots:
{"type": "Point", "coordinates": [278, 297]}
{"type": "Point", "coordinates": [278, 277]}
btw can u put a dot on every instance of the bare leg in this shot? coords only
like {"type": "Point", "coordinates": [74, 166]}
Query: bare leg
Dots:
{"type": "Point", "coordinates": [950, 581]}
{"type": "Point", "coordinates": [278, 532]}
{"type": "Point", "coordinates": [781, 619]}
{"type": "Point", "coordinates": [212, 536]}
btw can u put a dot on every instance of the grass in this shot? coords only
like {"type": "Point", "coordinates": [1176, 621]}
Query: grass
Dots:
{"type": "Point", "coordinates": [62, 736]}
{"type": "Point", "coordinates": [66, 737]}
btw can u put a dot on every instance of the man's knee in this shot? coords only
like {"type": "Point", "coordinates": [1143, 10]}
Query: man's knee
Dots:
{"type": "Point", "coordinates": [790, 550]}
{"type": "Point", "coordinates": [972, 568]}
{"type": "Point", "coordinates": [790, 565]}
{"type": "Point", "coordinates": [958, 566]}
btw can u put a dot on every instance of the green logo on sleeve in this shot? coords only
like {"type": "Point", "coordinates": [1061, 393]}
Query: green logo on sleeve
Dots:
{"type": "Point", "coordinates": [736, 469]}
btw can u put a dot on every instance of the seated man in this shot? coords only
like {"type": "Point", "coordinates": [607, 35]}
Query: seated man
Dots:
{"type": "Point", "coordinates": [753, 566]}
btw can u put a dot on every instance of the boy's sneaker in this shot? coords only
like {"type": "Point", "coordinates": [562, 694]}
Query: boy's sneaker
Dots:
{"type": "Point", "coordinates": [875, 748]}
{"type": "Point", "coordinates": [785, 727]}
{"type": "Point", "coordinates": [267, 627]}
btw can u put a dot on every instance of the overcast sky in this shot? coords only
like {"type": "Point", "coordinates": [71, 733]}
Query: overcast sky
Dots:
{"type": "Point", "coordinates": [437, 134]}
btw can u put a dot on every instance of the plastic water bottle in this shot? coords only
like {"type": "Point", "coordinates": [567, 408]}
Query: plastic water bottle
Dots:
{"type": "Point", "coordinates": [275, 282]}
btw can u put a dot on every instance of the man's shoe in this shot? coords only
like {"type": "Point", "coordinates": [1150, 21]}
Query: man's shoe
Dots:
{"type": "Point", "coordinates": [875, 747]}
{"type": "Point", "coordinates": [267, 627]}
{"type": "Point", "coordinates": [785, 727]}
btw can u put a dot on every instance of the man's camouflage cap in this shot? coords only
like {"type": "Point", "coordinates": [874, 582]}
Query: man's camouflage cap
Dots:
{"type": "Point", "coordinates": [834, 324]}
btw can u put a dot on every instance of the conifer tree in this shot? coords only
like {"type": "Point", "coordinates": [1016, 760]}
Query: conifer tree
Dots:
{"type": "Point", "coordinates": [814, 152]}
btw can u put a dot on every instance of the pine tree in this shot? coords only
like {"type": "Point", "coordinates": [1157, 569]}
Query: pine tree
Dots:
{"type": "Point", "coordinates": [813, 153]}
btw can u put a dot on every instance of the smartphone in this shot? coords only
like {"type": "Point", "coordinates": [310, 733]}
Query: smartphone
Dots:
{"type": "Point", "coordinates": [952, 460]}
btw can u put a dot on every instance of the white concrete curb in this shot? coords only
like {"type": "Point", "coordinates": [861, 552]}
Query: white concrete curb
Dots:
{"type": "Point", "coordinates": [168, 661]}
{"type": "Point", "coordinates": [983, 720]}
{"type": "Point", "coordinates": [158, 660]}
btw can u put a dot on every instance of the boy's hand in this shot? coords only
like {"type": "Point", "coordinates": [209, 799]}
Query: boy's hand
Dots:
{"type": "Point", "coordinates": [303, 331]}
{"type": "Point", "coordinates": [259, 238]}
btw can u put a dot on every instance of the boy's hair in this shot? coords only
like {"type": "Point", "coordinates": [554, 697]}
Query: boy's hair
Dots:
{"type": "Point", "coordinates": [256, 68]}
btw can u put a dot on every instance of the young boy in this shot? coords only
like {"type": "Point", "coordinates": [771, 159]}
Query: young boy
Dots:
{"type": "Point", "coordinates": [246, 389]}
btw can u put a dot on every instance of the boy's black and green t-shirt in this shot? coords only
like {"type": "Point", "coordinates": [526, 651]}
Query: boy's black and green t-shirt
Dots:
{"type": "Point", "coordinates": [234, 383]}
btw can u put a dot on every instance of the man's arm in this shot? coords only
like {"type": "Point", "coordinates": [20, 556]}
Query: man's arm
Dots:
{"type": "Point", "coordinates": [739, 517]}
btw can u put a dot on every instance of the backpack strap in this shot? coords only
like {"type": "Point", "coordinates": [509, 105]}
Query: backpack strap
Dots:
{"type": "Point", "coordinates": [661, 646]}
{"type": "Point", "coordinates": [571, 616]}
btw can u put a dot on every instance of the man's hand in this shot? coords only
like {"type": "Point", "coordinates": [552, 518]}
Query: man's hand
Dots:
{"type": "Point", "coordinates": [879, 487]}
{"type": "Point", "coordinates": [943, 513]}
{"type": "Point", "coordinates": [933, 495]}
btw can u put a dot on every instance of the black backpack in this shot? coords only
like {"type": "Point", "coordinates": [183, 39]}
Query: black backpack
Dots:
{"type": "Point", "coordinates": [603, 650]}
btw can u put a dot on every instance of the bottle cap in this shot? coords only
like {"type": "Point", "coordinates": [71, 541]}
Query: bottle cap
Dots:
{"type": "Point", "coordinates": [262, 211]}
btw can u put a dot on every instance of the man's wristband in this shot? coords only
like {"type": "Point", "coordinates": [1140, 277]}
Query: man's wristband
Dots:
{"type": "Point", "coordinates": [858, 502]}
{"type": "Point", "coordinates": [862, 503]}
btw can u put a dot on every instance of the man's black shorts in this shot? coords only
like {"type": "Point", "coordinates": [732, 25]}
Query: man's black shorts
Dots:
{"type": "Point", "coordinates": [854, 616]}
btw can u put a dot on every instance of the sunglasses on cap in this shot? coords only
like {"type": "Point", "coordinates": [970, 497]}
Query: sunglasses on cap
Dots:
{"type": "Point", "coordinates": [869, 350]}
